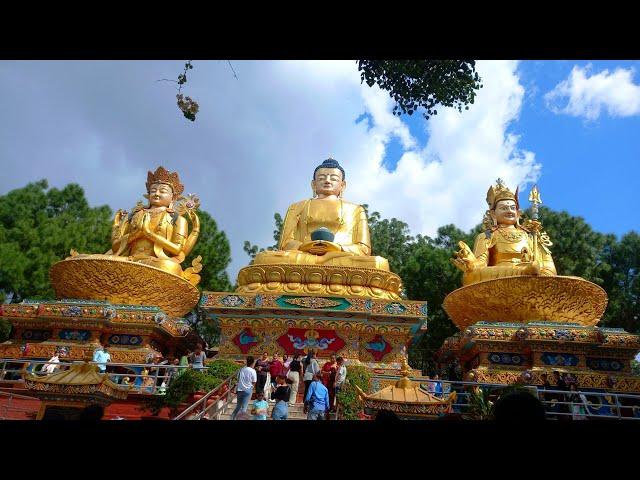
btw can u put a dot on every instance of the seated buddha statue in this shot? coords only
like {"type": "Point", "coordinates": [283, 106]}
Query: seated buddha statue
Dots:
{"type": "Point", "coordinates": [157, 234]}
{"type": "Point", "coordinates": [325, 229]}
{"type": "Point", "coordinates": [505, 248]}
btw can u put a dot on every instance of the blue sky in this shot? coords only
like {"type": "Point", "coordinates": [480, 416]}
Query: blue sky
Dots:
{"type": "Point", "coordinates": [590, 168]}
{"type": "Point", "coordinates": [569, 126]}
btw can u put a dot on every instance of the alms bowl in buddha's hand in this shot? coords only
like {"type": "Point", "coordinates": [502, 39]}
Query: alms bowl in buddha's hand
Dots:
{"type": "Point", "coordinates": [323, 233]}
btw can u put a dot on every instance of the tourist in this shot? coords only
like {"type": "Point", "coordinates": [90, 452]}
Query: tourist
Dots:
{"type": "Point", "coordinates": [341, 376]}
{"type": "Point", "coordinates": [281, 395]}
{"type": "Point", "coordinates": [431, 386]}
{"type": "Point", "coordinates": [101, 356]}
{"type": "Point", "coordinates": [198, 358]}
{"type": "Point", "coordinates": [311, 367]}
{"type": "Point", "coordinates": [295, 375]}
{"type": "Point", "coordinates": [562, 407]}
{"type": "Point", "coordinates": [262, 369]}
{"type": "Point", "coordinates": [260, 407]}
{"type": "Point", "coordinates": [246, 381]}
{"type": "Point", "coordinates": [437, 386]}
{"type": "Point", "coordinates": [316, 401]}
{"type": "Point", "coordinates": [53, 364]}
{"type": "Point", "coordinates": [329, 377]}
{"type": "Point", "coordinates": [276, 369]}
{"type": "Point", "coordinates": [578, 403]}
{"type": "Point", "coordinates": [286, 364]}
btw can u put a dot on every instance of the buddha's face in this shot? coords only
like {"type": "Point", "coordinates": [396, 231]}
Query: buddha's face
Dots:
{"type": "Point", "coordinates": [328, 181]}
{"type": "Point", "coordinates": [160, 195]}
{"type": "Point", "coordinates": [505, 213]}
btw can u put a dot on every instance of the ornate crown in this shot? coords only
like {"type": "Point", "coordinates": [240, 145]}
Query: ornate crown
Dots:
{"type": "Point", "coordinates": [501, 192]}
{"type": "Point", "coordinates": [161, 175]}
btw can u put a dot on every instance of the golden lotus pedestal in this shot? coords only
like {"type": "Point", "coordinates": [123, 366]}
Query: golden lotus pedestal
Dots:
{"type": "Point", "coordinates": [320, 280]}
{"type": "Point", "coordinates": [371, 331]}
{"type": "Point", "coordinates": [514, 329]}
{"type": "Point", "coordinates": [120, 281]}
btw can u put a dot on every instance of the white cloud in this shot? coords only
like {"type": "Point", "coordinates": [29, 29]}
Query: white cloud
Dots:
{"type": "Point", "coordinates": [252, 150]}
{"type": "Point", "coordinates": [588, 95]}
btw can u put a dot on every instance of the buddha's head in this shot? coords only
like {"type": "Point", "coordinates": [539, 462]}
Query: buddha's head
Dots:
{"type": "Point", "coordinates": [328, 179]}
{"type": "Point", "coordinates": [503, 204]}
{"type": "Point", "coordinates": [163, 188]}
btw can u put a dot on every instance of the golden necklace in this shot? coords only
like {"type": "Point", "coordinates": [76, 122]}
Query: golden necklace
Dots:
{"type": "Point", "coordinates": [510, 236]}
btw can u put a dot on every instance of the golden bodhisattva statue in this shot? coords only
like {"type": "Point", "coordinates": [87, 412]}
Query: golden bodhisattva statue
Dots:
{"type": "Point", "coordinates": [147, 247]}
{"type": "Point", "coordinates": [510, 275]}
{"type": "Point", "coordinates": [158, 235]}
{"type": "Point", "coordinates": [323, 231]}
{"type": "Point", "coordinates": [506, 248]}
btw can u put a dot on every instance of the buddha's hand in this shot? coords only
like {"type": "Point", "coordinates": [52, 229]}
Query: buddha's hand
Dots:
{"type": "Point", "coordinates": [319, 247]}
{"type": "Point", "coordinates": [146, 225]}
{"type": "Point", "coordinates": [118, 217]}
{"type": "Point", "coordinates": [464, 259]}
{"type": "Point", "coordinates": [532, 268]}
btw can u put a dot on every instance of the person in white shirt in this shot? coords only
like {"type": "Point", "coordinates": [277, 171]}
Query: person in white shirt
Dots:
{"type": "Point", "coordinates": [52, 366]}
{"type": "Point", "coordinates": [341, 376]}
{"type": "Point", "coordinates": [247, 378]}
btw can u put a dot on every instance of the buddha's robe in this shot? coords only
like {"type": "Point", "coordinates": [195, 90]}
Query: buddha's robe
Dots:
{"type": "Point", "coordinates": [500, 255]}
{"type": "Point", "coordinates": [348, 222]}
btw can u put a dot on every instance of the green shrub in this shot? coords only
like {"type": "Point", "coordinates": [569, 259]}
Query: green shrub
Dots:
{"type": "Point", "coordinates": [222, 368]}
{"type": "Point", "coordinates": [348, 400]}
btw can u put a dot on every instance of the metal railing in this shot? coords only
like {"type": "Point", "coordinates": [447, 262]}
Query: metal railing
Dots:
{"type": "Point", "coordinates": [212, 405]}
{"type": "Point", "coordinates": [155, 381]}
{"type": "Point", "coordinates": [570, 404]}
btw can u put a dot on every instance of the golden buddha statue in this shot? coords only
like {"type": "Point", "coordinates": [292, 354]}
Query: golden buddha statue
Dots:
{"type": "Point", "coordinates": [147, 247]}
{"type": "Point", "coordinates": [323, 231]}
{"type": "Point", "coordinates": [506, 248]}
{"type": "Point", "coordinates": [351, 242]}
{"type": "Point", "coordinates": [158, 235]}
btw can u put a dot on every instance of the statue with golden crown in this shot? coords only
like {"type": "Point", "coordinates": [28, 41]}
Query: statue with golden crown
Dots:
{"type": "Point", "coordinates": [148, 246]}
{"type": "Point", "coordinates": [510, 274]}
{"type": "Point", "coordinates": [325, 247]}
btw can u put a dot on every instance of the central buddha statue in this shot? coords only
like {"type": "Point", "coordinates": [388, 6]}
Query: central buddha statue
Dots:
{"type": "Point", "coordinates": [325, 229]}
{"type": "Point", "coordinates": [325, 247]}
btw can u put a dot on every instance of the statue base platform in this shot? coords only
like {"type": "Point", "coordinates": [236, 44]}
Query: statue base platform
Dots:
{"type": "Point", "coordinates": [319, 280]}
{"type": "Point", "coordinates": [121, 281]}
{"type": "Point", "coordinates": [132, 332]}
{"type": "Point", "coordinates": [507, 353]}
{"type": "Point", "coordinates": [527, 299]}
{"type": "Point", "coordinates": [373, 332]}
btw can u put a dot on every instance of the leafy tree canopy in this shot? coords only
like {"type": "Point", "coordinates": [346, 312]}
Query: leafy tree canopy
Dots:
{"type": "Point", "coordinates": [423, 83]}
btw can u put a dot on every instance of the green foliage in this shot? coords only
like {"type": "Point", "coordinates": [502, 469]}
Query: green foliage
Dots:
{"type": "Point", "coordinates": [252, 250]}
{"type": "Point", "coordinates": [222, 368]}
{"type": "Point", "coordinates": [423, 83]}
{"type": "Point", "coordinates": [5, 330]}
{"type": "Point", "coordinates": [347, 398]}
{"type": "Point", "coordinates": [635, 367]}
{"type": "Point", "coordinates": [185, 384]}
{"type": "Point", "coordinates": [214, 248]}
{"type": "Point", "coordinates": [480, 405]}
{"type": "Point", "coordinates": [38, 227]}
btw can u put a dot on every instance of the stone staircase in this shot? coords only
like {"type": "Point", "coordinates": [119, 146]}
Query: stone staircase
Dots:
{"type": "Point", "coordinates": [295, 411]}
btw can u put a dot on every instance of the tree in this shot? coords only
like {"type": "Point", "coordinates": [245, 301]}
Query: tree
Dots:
{"type": "Point", "coordinates": [252, 250]}
{"type": "Point", "coordinates": [215, 250]}
{"type": "Point", "coordinates": [38, 227]}
{"type": "Point", "coordinates": [423, 83]}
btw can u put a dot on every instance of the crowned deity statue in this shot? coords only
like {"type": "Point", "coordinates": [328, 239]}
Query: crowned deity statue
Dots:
{"type": "Point", "coordinates": [326, 229]}
{"type": "Point", "coordinates": [158, 234]}
{"type": "Point", "coordinates": [506, 248]}
{"type": "Point", "coordinates": [147, 247]}
{"type": "Point", "coordinates": [325, 246]}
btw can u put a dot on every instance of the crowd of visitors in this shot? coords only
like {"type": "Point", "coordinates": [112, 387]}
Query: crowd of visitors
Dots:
{"type": "Point", "coordinates": [277, 380]}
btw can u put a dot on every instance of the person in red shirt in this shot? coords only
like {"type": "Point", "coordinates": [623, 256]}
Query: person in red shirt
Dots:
{"type": "Point", "coordinates": [276, 369]}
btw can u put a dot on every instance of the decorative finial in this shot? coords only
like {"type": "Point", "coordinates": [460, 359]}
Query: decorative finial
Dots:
{"type": "Point", "coordinates": [500, 182]}
{"type": "Point", "coordinates": [534, 197]}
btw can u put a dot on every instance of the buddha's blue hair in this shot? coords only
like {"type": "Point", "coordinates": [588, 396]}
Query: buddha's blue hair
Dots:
{"type": "Point", "coordinates": [330, 163]}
